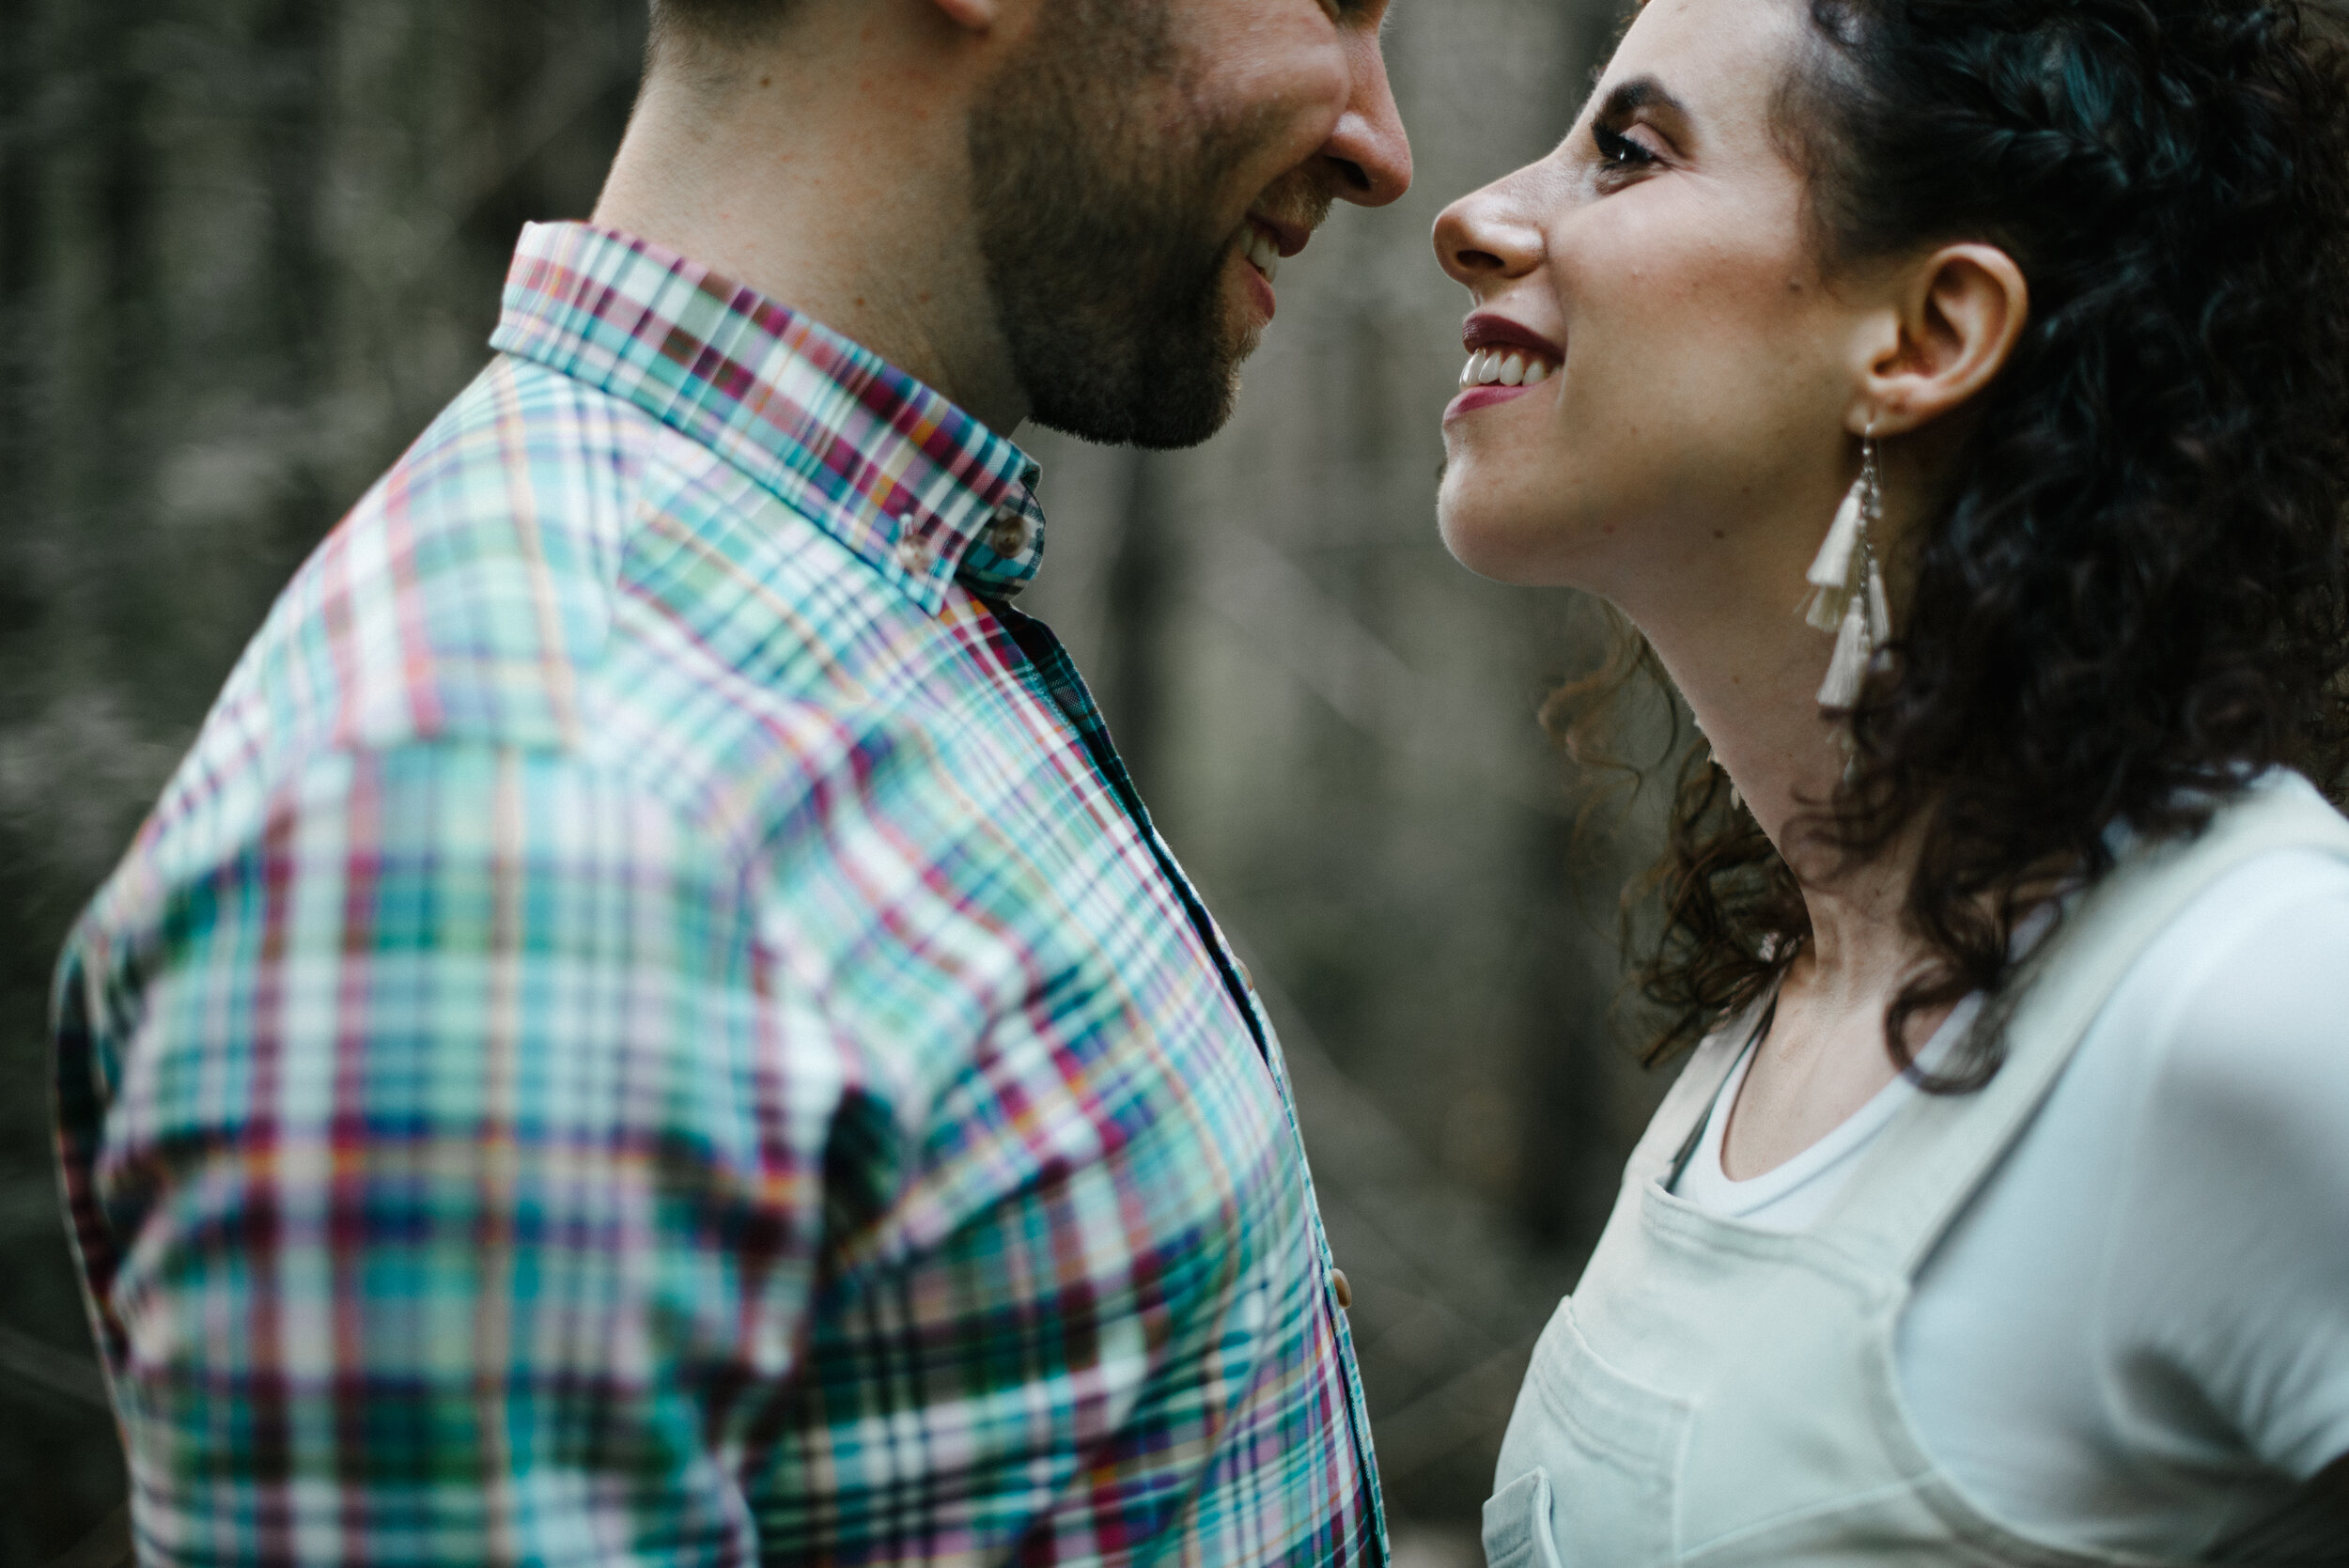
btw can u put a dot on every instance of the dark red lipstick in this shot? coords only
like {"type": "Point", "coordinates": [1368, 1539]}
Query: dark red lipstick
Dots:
{"type": "Point", "coordinates": [1485, 330]}
{"type": "Point", "coordinates": [1489, 332]}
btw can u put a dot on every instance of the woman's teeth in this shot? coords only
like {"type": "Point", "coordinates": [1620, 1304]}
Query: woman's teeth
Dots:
{"type": "Point", "coordinates": [1264, 254]}
{"type": "Point", "coordinates": [1510, 367]}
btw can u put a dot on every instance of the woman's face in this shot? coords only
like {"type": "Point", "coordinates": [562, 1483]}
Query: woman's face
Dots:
{"type": "Point", "coordinates": [1656, 267]}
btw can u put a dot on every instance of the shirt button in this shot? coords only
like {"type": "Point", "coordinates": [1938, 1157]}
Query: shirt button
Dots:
{"type": "Point", "coordinates": [1009, 534]}
{"type": "Point", "coordinates": [1344, 1290]}
{"type": "Point", "coordinates": [913, 555]}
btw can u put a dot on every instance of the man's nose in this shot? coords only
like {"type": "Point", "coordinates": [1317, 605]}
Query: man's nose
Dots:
{"type": "Point", "coordinates": [1369, 152]}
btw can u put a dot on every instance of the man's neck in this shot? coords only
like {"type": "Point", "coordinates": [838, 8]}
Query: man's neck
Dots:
{"type": "Point", "coordinates": [833, 178]}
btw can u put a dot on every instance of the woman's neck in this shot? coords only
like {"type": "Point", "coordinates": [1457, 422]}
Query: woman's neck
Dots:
{"type": "Point", "coordinates": [1749, 668]}
{"type": "Point", "coordinates": [1750, 672]}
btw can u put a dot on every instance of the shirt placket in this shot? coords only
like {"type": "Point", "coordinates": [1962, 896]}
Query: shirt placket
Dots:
{"type": "Point", "coordinates": [1056, 672]}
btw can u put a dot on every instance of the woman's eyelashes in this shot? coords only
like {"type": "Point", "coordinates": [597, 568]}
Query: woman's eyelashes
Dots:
{"type": "Point", "coordinates": [1619, 155]}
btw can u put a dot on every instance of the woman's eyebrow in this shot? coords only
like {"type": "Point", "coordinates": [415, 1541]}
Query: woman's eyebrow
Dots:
{"type": "Point", "coordinates": [1625, 98]}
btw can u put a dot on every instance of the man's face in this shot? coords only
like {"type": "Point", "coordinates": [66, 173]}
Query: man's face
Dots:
{"type": "Point", "coordinates": [1140, 165]}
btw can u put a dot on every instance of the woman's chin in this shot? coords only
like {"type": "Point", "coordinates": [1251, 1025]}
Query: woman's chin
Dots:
{"type": "Point", "coordinates": [1535, 525]}
{"type": "Point", "coordinates": [1492, 546]}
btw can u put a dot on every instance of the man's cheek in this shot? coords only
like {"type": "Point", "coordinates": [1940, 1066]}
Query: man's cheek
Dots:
{"type": "Point", "coordinates": [1280, 71]}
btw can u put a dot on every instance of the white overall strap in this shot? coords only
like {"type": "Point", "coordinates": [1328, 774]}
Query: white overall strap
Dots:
{"type": "Point", "coordinates": [1929, 1161]}
{"type": "Point", "coordinates": [1679, 1121]}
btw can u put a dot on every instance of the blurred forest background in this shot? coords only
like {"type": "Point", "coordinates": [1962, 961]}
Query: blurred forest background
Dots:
{"type": "Point", "coordinates": [248, 248]}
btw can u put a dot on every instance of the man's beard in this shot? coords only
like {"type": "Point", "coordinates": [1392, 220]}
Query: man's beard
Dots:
{"type": "Point", "coordinates": [1101, 243]}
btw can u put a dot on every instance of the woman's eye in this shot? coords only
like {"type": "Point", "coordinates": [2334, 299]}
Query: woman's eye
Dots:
{"type": "Point", "coordinates": [1619, 152]}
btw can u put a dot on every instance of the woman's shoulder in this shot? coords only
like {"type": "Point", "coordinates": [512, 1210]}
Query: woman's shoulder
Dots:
{"type": "Point", "coordinates": [2254, 968]}
{"type": "Point", "coordinates": [2248, 989]}
{"type": "Point", "coordinates": [2236, 1019]}
{"type": "Point", "coordinates": [2233, 1031]}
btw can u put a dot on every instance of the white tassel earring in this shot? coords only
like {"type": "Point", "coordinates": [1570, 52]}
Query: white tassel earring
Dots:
{"type": "Point", "coordinates": [1848, 584]}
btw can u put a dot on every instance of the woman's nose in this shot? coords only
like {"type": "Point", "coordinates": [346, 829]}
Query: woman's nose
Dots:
{"type": "Point", "coordinates": [1483, 240]}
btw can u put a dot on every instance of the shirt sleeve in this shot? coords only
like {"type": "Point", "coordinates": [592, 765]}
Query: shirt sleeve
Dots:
{"type": "Point", "coordinates": [462, 1179]}
{"type": "Point", "coordinates": [2238, 1215]}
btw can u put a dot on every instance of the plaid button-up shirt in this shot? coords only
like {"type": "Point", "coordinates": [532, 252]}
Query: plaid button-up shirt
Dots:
{"type": "Point", "coordinates": [653, 1028]}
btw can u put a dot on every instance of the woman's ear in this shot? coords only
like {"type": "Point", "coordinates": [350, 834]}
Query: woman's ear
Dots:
{"type": "Point", "coordinates": [1959, 313]}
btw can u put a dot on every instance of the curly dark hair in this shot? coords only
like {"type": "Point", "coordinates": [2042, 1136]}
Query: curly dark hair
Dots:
{"type": "Point", "coordinates": [2134, 594]}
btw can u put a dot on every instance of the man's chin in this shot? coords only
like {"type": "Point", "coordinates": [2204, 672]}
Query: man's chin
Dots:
{"type": "Point", "coordinates": [1192, 404]}
{"type": "Point", "coordinates": [1162, 408]}
{"type": "Point", "coordinates": [1158, 427]}
{"type": "Point", "coordinates": [1241, 338]}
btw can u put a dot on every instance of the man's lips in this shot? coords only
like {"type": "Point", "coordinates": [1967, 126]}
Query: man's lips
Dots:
{"type": "Point", "coordinates": [1267, 241]}
{"type": "Point", "coordinates": [1259, 287]}
{"type": "Point", "coordinates": [1288, 235]}
{"type": "Point", "coordinates": [1264, 242]}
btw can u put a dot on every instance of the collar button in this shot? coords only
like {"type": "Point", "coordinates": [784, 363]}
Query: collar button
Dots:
{"type": "Point", "coordinates": [1009, 534]}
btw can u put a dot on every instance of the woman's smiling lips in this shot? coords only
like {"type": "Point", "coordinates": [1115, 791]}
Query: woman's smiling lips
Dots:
{"type": "Point", "coordinates": [1505, 360]}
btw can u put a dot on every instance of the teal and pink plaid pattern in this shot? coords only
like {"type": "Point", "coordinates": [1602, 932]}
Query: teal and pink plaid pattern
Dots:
{"type": "Point", "coordinates": [651, 1027]}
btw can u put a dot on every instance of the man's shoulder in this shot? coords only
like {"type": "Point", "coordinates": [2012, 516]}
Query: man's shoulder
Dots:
{"type": "Point", "coordinates": [464, 595]}
{"type": "Point", "coordinates": [549, 568]}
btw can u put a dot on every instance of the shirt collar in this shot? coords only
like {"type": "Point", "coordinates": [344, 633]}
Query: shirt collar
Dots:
{"type": "Point", "coordinates": [899, 475]}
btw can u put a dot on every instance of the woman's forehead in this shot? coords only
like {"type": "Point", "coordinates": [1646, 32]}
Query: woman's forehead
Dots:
{"type": "Point", "coordinates": [1714, 67]}
{"type": "Point", "coordinates": [1727, 53]}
